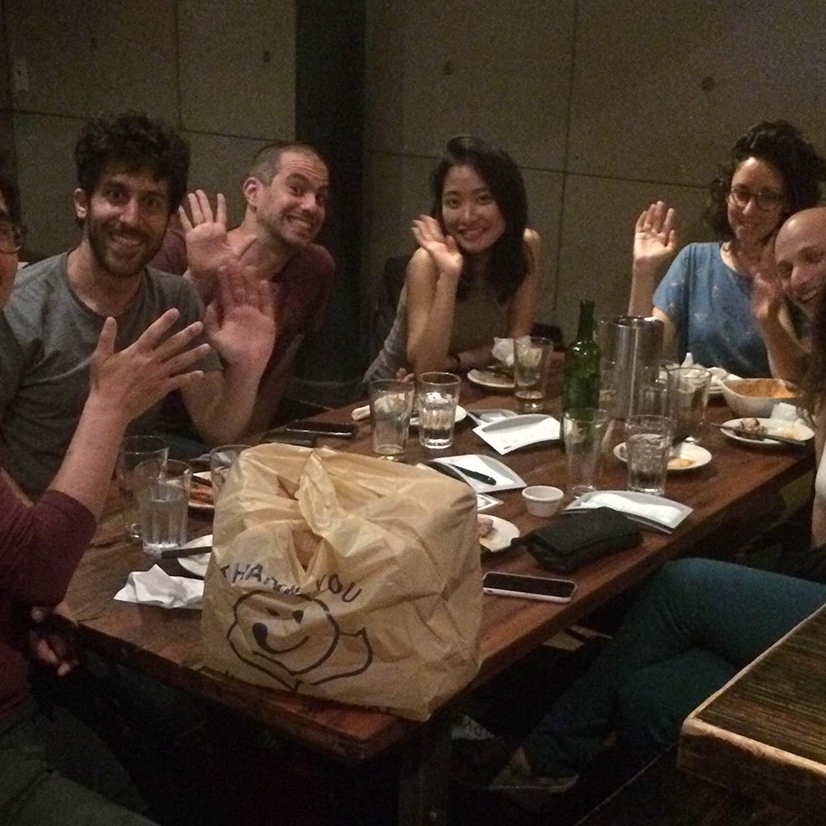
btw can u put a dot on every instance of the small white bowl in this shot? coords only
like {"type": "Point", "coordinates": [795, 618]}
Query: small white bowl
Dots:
{"type": "Point", "coordinates": [542, 500]}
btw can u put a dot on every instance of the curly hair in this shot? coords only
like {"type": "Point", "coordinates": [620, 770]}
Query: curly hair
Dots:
{"type": "Point", "coordinates": [508, 262]}
{"type": "Point", "coordinates": [781, 145]}
{"type": "Point", "coordinates": [135, 142]}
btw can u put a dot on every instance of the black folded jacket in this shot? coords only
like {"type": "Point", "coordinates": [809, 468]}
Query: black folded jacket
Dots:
{"type": "Point", "coordinates": [575, 540]}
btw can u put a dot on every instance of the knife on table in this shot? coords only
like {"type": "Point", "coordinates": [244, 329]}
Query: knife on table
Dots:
{"type": "Point", "coordinates": [457, 471]}
{"type": "Point", "coordinates": [760, 437]}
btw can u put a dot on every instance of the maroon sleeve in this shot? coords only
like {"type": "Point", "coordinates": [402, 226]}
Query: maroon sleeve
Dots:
{"type": "Point", "coordinates": [325, 269]}
{"type": "Point", "coordinates": [40, 545]}
{"type": "Point", "coordinates": [171, 257]}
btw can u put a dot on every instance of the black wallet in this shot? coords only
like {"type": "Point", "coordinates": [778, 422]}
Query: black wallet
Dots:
{"type": "Point", "coordinates": [575, 540]}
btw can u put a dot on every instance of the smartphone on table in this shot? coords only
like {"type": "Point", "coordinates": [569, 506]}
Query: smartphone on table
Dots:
{"type": "Point", "coordinates": [549, 589]}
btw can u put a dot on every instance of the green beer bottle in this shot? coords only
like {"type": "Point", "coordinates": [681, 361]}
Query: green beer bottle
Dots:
{"type": "Point", "coordinates": [580, 377]}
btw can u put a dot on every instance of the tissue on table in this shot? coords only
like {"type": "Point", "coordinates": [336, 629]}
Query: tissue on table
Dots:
{"type": "Point", "coordinates": [718, 374]}
{"type": "Point", "coordinates": [502, 351]}
{"type": "Point", "coordinates": [156, 587]}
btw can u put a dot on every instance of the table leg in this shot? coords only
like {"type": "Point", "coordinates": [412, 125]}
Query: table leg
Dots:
{"type": "Point", "coordinates": [424, 775]}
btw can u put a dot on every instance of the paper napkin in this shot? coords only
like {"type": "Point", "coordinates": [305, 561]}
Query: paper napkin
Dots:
{"type": "Point", "coordinates": [156, 587]}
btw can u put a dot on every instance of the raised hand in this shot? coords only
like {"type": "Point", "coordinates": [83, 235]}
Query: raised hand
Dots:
{"type": "Point", "coordinates": [442, 248]}
{"type": "Point", "coordinates": [767, 297]}
{"type": "Point", "coordinates": [207, 244]}
{"type": "Point", "coordinates": [655, 238]}
{"type": "Point", "coordinates": [240, 322]}
{"type": "Point", "coordinates": [140, 375]}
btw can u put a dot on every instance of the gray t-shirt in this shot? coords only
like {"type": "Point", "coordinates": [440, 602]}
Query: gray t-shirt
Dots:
{"type": "Point", "coordinates": [47, 337]}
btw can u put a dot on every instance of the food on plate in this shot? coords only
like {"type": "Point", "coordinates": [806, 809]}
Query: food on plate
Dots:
{"type": "Point", "coordinates": [753, 427]}
{"type": "Point", "coordinates": [484, 524]}
{"type": "Point", "coordinates": [200, 493]}
{"type": "Point", "coordinates": [763, 388]}
{"type": "Point", "coordinates": [676, 462]}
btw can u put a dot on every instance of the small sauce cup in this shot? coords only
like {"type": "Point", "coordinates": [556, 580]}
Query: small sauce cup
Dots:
{"type": "Point", "coordinates": [542, 500]}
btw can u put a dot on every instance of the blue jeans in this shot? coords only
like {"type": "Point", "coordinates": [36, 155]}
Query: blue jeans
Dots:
{"type": "Point", "coordinates": [695, 625]}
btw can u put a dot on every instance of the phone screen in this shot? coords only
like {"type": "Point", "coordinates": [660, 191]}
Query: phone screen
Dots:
{"type": "Point", "coordinates": [535, 586]}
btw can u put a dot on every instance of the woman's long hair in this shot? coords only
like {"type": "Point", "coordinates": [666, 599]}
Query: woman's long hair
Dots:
{"type": "Point", "coordinates": [508, 264]}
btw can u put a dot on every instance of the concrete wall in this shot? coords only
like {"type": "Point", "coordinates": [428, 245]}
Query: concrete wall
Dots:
{"type": "Point", "coordinates": [605, 104]}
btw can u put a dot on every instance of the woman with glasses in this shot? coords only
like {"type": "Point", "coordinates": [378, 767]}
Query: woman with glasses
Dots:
{"type": "Point", "coordinates": [722, 300]}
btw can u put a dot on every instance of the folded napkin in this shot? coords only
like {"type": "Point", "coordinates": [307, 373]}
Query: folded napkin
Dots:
{"type": "Point", "coordinates": [502, 351]}
{"type": "Point", "coordinates": [156, 587]}
{"type": "Point", "coordinates": [361, 413]}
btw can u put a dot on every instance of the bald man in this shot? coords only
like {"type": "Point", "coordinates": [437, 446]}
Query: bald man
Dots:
{"type": "Point", "coordinates": [800, 255]}
{"type": "Point", "coordinates": [800, 251]}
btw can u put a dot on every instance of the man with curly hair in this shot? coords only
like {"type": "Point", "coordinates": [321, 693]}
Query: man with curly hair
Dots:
{"type": "Point", "coordinates": [132, 174]}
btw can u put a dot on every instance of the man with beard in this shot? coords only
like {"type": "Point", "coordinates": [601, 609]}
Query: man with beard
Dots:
{"type": "Point", "coordinates": [132, 174]}
{"type": "Point", "coordinates": [286, 193]}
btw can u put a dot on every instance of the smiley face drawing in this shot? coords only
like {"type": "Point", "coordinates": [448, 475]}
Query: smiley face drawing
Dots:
{"type": "Point", "coordinates": [292, 639]}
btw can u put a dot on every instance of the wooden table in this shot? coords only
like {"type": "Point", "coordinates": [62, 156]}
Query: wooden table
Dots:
{"type": "Point", "coordinates": [764, 733]}
{"type": "Point", "coordinates": [165, 644]}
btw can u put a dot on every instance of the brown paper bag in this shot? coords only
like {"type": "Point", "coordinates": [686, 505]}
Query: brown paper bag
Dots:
{"type": "Point", "coordinates": [345, 577]}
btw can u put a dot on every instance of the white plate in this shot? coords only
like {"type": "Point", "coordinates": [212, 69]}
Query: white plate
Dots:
{"type": "Point", "coordinates": [698, 456]}
{"type": "Point", "coordinates": [196, 564]}
{"type": "Point", "coordinates": [460, 415]}
{"type": "Point", "coordinates": [506, 479]}
{"type": "Point", "coordinates": [196, 504]}
{"type": "Point", "coordinates": [500, 536]}
{"type": "Point", "coordinates": [524, 430]}
{"type": "Point", "coordinates": [654, 512]}
{"type": "Point", "coordinates": [793, 430]}
{"type": "Point", "coordinates": [493, 381]}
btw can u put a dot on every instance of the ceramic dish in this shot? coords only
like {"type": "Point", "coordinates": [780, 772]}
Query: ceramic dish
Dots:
{"type": "Point", "coordinates": [655, 512]}
{"type": "Point", "coordinates": [791, 430]}
{"type": "Point", "coordinates": [503, 477]}
{"type": "Point", "coordinates": [196, 565]}
{"type": "Point", "coordinates": [500, 536]}
{"type": "Point", "coordinates": [493, 381]}
{"type": "Point", "coordinates": [684, 456]}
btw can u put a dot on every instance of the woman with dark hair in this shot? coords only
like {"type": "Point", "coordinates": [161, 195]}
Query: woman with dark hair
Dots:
{"type": "Point", "coordinates": [476, 272]}
{"type": "Point", "coordinates": [722, 299]}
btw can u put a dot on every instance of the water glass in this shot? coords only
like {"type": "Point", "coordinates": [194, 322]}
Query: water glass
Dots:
{"type": "Point", "coordinates": [647, 449]}
{"type": "Point", "coordinates": [221, 459]}
{"type": "Point", "coordinates": [531, 367]}
{"type": "Point", "coordinates": [163, 498]}
{"type": "Point", "coordinates": [584, 432]}
{"type": "Point", "coordinates": [437, 395]}
{"type": "Point", "coordinates": [688, 389]}
{"type": "Point", "coordinates": [391, 403]}
{"type": "Point", "coordinates": [134, 450]}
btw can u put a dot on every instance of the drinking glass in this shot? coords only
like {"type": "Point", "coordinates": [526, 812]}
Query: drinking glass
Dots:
{"type": "Point", "coordinates": [134, 450]}
{"type": "Point", "coordinates": [647, 448]}
{"type": "Point", "coordinates": [687, 399]}
{"type": "Point", "coordinates": [437, 395]}
{"type": "Point", "coordinates": [163, 498]}
{"type": "Point", "coordinates": [531, 366]}
{"type": "Point", "coordinates": [584, 432]}
{"type": "Point", "coordinates": [391, 403]}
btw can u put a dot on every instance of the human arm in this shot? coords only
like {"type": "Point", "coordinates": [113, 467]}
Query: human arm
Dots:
{"type": "Point", "coordinates": [40, 545]}
{"type": "Point", "coordinates": [271, 389]}
{"type": "Point", "coordinates": [432, 279]}
{"type": "Point", "coordinates": [818, 505]}
{"type": "Point", "coordinates": [787, 354]}
{"type": "Point", "coordinates": [655, 243]}
{"type": "Point", "coordinates": [240, 325]}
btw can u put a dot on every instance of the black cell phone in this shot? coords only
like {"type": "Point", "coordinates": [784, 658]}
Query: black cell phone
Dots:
{"type": "Point", "coordinates": [284, 438]}
{"type": "Point", "coordinates": [342, 431]}
{"type": "Point", "coordinates": [545, 588]}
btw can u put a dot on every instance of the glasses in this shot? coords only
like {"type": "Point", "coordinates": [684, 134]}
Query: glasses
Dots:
{"type": "Point", "coordinates": [11, 236]}
{"type": "Point", "coordinates": [765, 199]}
